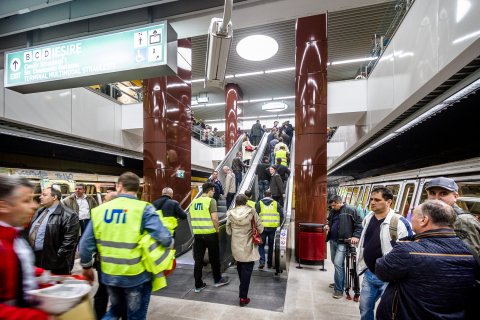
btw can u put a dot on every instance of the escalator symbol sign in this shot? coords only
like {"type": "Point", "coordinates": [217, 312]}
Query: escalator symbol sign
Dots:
{"type": "Point", "coordinates": [154, 36]}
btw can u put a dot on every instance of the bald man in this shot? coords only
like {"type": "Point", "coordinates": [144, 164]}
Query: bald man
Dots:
{"type": "Point", "coordinates": [169, 207]}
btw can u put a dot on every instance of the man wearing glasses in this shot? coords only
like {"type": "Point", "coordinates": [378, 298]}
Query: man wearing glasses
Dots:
{"type": "Point", "coordinates": [82, 204]}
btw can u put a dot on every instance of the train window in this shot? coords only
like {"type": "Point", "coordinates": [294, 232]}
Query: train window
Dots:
{"type": "Point", "coordinates": [349, 194]}
{"type": "Point", "coordinates": [365, 197]}
{"type": "Point", "coordinates": [407, 198]}
{"type": "Point", "coordinates": [63, 187]}
{"type": "Point", "coordinates": [354, 196]}
{"type": "Point", "coordinates": [359, 198]}
{"type": "Point", "coordinates": [469, 197]}
{"type": "Point", "coordinates": [395, 188]}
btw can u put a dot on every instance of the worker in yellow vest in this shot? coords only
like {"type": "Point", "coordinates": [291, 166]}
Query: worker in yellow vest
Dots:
{"type": "Point", "coordinates": [271, 215]}
{"type": "Point", "coordinates": [116, 230]}
{"type": "Point", "coordinates": [282, 154]}
{"type": "Point", "coordinates": [204, 222]}
{"type": "Point", "coordinates": [169, 210]}
{"type": "Point", "coordinates": [250, 202]}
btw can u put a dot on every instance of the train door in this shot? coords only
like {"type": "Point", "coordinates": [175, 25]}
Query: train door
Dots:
{"type": "Point", "coordinates": [354, 197]}
{"type": "Point", "coordinates": [407, 198]}
{"type": "Point", "coordinates": [469, 197]}
{"type": "Point", "coordinates": [349, 194]}
{"type": "Point", "coordinates": [366, 195]}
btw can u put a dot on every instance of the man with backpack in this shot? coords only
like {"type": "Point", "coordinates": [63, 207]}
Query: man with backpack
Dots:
{"type": "Point", "coordinates": [382, 227]}
{"type": "Point", "coordinates": [343, 223]}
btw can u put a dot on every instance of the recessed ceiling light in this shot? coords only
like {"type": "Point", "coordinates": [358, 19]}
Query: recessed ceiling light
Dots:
{"type": "Point", "coordinates": [274, 106]}
{"type": "Point", "coordinates": [257, 47]}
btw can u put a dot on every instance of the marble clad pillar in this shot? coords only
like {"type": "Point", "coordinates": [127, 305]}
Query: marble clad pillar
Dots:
{"type": "Point", "coordinates": [167, 130]}
{"type": "Point", "coordinates": [232, 96]}
{"type": "Point", "coordinates": [310, 121]}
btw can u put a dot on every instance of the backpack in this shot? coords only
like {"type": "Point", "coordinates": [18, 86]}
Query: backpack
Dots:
{"type": "Point", "coordinates": [393, 229]}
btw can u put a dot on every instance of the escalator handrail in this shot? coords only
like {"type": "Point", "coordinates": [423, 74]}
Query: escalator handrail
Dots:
{"type": "Point", "coordinates": [249, 178]}
{"type": "Point", "coordinates": [281, 235]}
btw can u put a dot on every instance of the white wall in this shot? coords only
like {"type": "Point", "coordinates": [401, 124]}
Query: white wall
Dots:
{"type": "Point", "coordinates": [204, 156]}
{"type": "Point", "coordinates": [434, 41]}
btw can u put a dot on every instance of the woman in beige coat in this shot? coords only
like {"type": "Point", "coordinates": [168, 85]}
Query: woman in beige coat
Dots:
{"type": "Point", "coordinates": [239, 226]}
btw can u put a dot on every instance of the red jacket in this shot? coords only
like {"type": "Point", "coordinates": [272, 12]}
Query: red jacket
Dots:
{"type": "Point", "coordinates": [9, 273]}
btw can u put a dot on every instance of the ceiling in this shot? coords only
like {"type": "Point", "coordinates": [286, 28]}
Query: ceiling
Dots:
{"type": "Point", "coordinates": [351, 25]}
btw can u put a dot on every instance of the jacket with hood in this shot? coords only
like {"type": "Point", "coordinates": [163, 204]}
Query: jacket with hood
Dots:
{"type": "Point", "coordinates": [239, 226]}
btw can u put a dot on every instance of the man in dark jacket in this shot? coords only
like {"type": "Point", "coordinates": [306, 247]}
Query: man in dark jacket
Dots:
{"type": "Point", "coordinates": [277, 188]}
{"type": "Point", "coordinates": [282, 170]}
{"type": "Point", "coordinates": [343, 223]}
{"type": "Point", "coordinates": [271, 215]}
{"type": "Point", "coordinates": [218, 187]}
{"type": "Point", "coordinates": [263, 175]}
{"type": "Point", "coordinates": [256, 133]}
{"type": "Point", "coordinates": [170, 208]}
{"type": "Point", "coordinates": [431, 277]}
{"type": "Point", "coordinates": [238, 167]}
{"type": "Point", "coordinates": [53, 233]}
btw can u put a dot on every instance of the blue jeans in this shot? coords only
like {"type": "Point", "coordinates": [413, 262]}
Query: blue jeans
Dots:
{"type": "Point", "coordinates": [134, 299]}
{"type": "Point", "coordinates": [337, 251]}
{"type": "Point", "coordinates": [263, 185]}
{"type": "Point", "coordinates": [238, 179]}
{"type": "Point", "coordinates": [270, 234]}
{"type": "Point", "coordinates": [372, 290]}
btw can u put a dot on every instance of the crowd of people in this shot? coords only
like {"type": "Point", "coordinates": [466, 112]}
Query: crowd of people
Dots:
{"type": "Point", "coordinates": [425, 268]}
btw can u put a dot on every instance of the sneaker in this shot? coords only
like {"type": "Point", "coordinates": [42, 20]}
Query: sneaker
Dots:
{"type": "Point", "coordinates": [222, 282]}
{"type": "Point", "coordinates": [244, 302]}
{"type": "Point", "coordinates": [197, 290]}
{"type": "Point", "coordinates": [331, 285]}
{"type": "Point", "coordinates": [337, 295]}
{"type": "Point", "coordinates": [261, 266]}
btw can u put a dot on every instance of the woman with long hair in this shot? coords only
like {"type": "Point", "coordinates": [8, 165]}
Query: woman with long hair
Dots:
{"type": "Point", "coordinates": [245, 252]}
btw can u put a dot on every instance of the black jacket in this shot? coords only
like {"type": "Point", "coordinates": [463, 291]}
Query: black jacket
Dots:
{"type": "Point", "coordinates": [262, 171]}
{"type": "Point", "coordinates": [349, 225]}
{"type": "Point", "coordinates": [169, 207]}
{"type": "Point", "coordinates": [238, 165]}
{"type": "Point", "coordinates": [61, 238]}
{"type": "Point", "coordinates": [277, 188]}
{"type": "Point", "coordinates": [283, 171]}
{"type": "Point", "coordinates": [431, 277]}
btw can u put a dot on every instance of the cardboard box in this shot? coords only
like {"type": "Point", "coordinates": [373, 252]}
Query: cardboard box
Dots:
{"type": "Point", "coordinates": [82, 311]}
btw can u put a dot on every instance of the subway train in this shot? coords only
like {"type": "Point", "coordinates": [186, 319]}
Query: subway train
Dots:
{"type": "Point", "coordinates": [408, 187]}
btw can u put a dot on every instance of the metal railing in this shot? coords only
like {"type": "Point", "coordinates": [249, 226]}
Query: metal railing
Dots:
{"type": "Point", "coordinates": [282, 252]}
{"type": "Point", "coordinates": [198, 133]}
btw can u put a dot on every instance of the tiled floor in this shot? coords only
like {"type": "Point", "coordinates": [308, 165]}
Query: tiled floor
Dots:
{"type": "Point", "coordinates": [307, 297]}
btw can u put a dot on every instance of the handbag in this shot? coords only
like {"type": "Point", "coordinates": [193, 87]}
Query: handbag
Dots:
{"type": "Point", "coordinates": [249, 148]}
{"type": "Point", "coordinates": [256, 237]}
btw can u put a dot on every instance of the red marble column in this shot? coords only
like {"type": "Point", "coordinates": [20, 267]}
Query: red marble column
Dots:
{"type": "Point", "coordinates": [232, 96]}
{"type": "Point", "coordinates": [310, 122]}
{"type": "Point", "coordinates": [166, 129]}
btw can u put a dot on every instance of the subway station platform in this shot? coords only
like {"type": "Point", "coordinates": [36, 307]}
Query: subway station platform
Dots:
{"type": "Point", "coordinates": [307, 296]}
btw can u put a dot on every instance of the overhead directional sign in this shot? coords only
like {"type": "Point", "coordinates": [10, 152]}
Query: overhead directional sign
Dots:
{"type": "Point", "coordinates": [131, 54]}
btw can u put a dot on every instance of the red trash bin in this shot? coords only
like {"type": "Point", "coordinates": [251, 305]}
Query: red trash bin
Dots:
{"type": "Point", "coordinates": [311, 243]}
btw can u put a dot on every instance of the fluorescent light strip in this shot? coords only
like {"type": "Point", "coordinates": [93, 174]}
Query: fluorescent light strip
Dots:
{"type": "Point", "coordinates": [242, 101]}
{"type": "Point", "coordinates": [251, 118]}
{"type": "Point", "coordinates": [197, 80]}
{"type": "Point", "coordinates": [352, 60]}
{"type": "Point", "coordinates": [249, 74]}
{"type": "Point", "coordinates": [280, 70]}
{"type": "Point", "coordinates": [284, 98]}
{"type": "Point", "coordinates": [260, 100]}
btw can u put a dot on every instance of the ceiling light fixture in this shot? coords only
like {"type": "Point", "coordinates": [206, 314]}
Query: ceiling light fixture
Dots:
{"type": "Point", "coordinates": [280, 70]}
{"type": "Point", "coordinates": [248, 74]}
{"type": "Point", "coordinates": [257, 47]}
{"type": "Point", "coordinates": [274, 106]}
{"type": "Point", "coordinates": [353, 60]}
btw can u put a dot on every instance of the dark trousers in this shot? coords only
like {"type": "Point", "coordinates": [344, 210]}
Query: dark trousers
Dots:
{"type": "Point", "coordinates": [268, 233]}
{"type": "Point", "coordinates": [229, 199]}
{"type": "Point", "coordinates": [256, 140]}
{"type": "Point", "coordinates": [201, 243]}
{"type": "Point", "coordinates": [238, 179]}
{"type": "Point", "coordinates": [263, 185]}
{"type": "Point", "coordinates": [83, 225]}
{"type": "Point", "coordinates": [279, 199]}
{"type": "Point", "coordinates": [100, 300]}
{"type": "Point", "coordinates": [244, 270]}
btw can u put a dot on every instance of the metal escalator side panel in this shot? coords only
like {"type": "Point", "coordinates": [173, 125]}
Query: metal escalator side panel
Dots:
{"type": "Point", "coordinates": [282, 251]}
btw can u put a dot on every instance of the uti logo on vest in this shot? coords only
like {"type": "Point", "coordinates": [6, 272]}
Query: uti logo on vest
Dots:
{"type": "Point", "coordinates": [115, 215]}
{"type": "Point", "coordinates": [198, 206]}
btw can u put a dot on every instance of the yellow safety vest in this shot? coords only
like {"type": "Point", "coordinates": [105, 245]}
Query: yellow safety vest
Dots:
{"type": "Point", "coordinates": [170, 223]}
{"type": "Point", "coordinates": [251, 203]}
{"type": "Point", "coordinates": [282, 154]}
{"type": "Point", "coordinates": [156, 259]}
{"type": "Point", "coordinates": [201, 219]}
{"type": "Point", "coordinates": [116, 226]}
{"type": "Point", "coordinates": [269, 214]}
